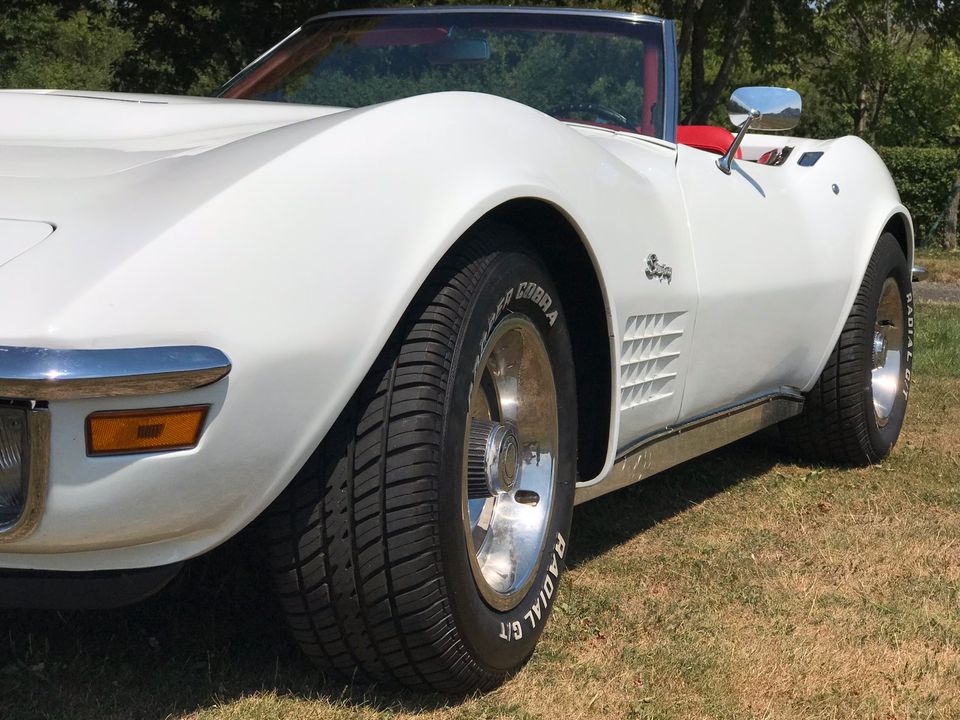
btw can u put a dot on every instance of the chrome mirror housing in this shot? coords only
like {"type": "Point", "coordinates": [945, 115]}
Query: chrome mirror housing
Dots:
{"type": "Point", "coordinates": [760, 108]}
{"type": "Point", "coordinates": [779, 108]}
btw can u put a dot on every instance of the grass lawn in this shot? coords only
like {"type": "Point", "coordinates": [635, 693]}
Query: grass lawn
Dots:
{"type": "Point", "coordinates": [736, 586]}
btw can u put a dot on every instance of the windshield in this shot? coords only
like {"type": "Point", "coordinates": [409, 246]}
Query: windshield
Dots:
{"type": "Point", "coordinates": [592, 69]}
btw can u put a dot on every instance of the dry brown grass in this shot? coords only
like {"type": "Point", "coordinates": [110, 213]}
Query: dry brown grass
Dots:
{"type": "Point", "coordinates": [935, 423]}
{"type": "Point", "coordinates": [736, 586]}
{"type": "Point", "coordinates": [943, 266]}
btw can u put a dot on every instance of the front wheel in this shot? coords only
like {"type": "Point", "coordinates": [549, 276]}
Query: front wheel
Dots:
{"type": "Point", "coordinates": [853, 415]}
{"type": "Point", "coordinates": [423, 543]}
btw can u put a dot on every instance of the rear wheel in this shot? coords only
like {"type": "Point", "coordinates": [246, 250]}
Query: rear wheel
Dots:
{"type": "Point", "coordinates": [855, 412]}
{"type": "Point", "coordinates": [423, 542]}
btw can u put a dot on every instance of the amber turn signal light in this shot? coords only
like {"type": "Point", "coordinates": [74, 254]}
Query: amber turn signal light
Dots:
{"type": "Point", "coordinates": [122, 432]}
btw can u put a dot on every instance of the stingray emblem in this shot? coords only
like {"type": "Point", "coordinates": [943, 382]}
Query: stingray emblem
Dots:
{"type": "Point", "coordinates": [656, 269]}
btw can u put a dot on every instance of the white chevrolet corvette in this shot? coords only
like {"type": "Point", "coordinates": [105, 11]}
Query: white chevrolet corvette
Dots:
{"type": "Point", "coordinates": [412, 286]}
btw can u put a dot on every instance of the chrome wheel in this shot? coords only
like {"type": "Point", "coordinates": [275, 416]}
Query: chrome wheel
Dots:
{"type": "Point", "coordinates": [510, 465]}
{"type": "Point", "coordinates": [888, 340]}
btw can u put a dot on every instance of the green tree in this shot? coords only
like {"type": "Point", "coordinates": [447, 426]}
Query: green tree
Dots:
{"type": "Point", "coordinates": [192, 47]}
{"type": "Point", "coordinates": [68, 45]}
{"type": "Point", "coordinates": [889, 69]}
{"type": "Point", "coordinates": [718, 38]}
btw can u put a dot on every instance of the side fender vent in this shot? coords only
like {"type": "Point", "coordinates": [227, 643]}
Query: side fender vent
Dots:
{"type": "Point", "coordinates": [649, 356]}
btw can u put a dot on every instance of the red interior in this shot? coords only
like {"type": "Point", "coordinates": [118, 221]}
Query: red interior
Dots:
{"type": "Point", "coordinates": [706, 137]}
{"type": "Point", "coordinates": [651, 87]}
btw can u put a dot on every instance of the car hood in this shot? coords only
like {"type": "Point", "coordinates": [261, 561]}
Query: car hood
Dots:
{"type": "Point", "coordinates": [61, 135]}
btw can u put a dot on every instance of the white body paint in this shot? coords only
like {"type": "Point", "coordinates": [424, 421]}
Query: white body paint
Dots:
{"type": "Point", "coordinates": [292, 238]}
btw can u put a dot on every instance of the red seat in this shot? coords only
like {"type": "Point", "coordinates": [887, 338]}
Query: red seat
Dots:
{"type": "Point", "coordinates": [706, 137]}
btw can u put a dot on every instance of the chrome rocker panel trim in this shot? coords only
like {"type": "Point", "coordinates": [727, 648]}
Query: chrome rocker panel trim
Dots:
{"type": "Point", "coordinates": [919, 273]}
{"type": "Point", "coordinates": [693, 438]}
{"type": "Point", "coordinates": [46, 374]}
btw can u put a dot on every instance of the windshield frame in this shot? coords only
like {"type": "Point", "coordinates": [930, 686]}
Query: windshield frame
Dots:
{"type": "Point", "coordinates": [670, 110]}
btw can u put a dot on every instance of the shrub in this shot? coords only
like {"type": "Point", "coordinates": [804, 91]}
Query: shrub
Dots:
{"type": "Point", "coordinates": [925, 178]}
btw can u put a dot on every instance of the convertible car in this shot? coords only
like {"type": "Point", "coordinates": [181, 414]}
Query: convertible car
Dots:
{"type": "Point", "coordinates": [411, 287]}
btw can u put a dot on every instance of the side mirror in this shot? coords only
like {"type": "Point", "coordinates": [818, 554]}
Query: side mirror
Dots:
{"type": "Point", "coordinates": [779, 108]}
{"type": "Point", "coordinates": [760, 108]}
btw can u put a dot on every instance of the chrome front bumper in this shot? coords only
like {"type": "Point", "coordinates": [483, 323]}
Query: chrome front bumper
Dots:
{"type": "Point", "coordinates": [43, 374]}
{"type": "Point", "coordinates": [30, 377]}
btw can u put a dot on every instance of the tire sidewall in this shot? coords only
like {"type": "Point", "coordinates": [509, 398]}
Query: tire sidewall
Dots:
{"type": "Point", "coordinates": [515, 282]}
{"type": "Point", "coordinates": [889, 262]}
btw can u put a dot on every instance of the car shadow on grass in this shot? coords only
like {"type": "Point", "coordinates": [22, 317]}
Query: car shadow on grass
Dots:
{"type": "Point", "coordinates": [216, 635]}
{"type": "Point", "coordinates": [614, 519]}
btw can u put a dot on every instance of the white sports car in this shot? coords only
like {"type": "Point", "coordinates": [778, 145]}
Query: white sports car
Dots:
{"type": "Point", "coordinates": [414, 285]}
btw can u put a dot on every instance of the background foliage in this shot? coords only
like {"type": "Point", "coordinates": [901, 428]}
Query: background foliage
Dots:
{"type": "Point", "coordinates": [886, 70]}
{"type": "Point", "coordinates": [924, 176]}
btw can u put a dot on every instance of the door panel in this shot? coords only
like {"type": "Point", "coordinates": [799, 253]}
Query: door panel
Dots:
{"type": "Point", "coordinates": [765, 281]}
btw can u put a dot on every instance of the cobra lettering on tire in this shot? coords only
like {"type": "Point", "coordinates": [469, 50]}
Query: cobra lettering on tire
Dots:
{"type": "Point", "coordinates": [388, 547]}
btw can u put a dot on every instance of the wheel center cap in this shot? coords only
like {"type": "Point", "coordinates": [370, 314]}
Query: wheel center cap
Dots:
{"type": "Point", "coordinates": [508, 460]}
{"type": "Point", "coordinates": [879, 350]}
{"type": "Point", "coordinates": [493, 465]}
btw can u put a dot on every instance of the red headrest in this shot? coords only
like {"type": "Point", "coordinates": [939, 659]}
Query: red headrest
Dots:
{"type": "Point", "coordinates": [706, 137]}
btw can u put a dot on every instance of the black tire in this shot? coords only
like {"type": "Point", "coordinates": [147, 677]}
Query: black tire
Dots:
{"type": "Point", "coordinates": [368, 543]}
{"type": "Point", "coordinates": [839, 423]}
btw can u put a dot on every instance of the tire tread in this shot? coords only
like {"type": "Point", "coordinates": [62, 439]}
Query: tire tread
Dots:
{"type": "Point", "coordinates": [370, 597]}
{"type": "Point", "coordinates": [833, 425]}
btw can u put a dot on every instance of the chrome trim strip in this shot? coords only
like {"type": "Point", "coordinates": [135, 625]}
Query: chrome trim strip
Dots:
{"type": "Point", "coordinates": [675, 445]}
{"type": "Point", "coordinates": [49, 374]}
{"type": "Point", "coordinates": [229, 83]}
{"type": "Point", "coordinates": [919, 273]}
{"type": "Point", "coordinates": [784, 392]}
{"type": "Point", "coordinates": [671, 75]}
{"type": "Point", "coordinates": [446, 9]}
{"type": "Point", "coordinates": [38, 467]}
